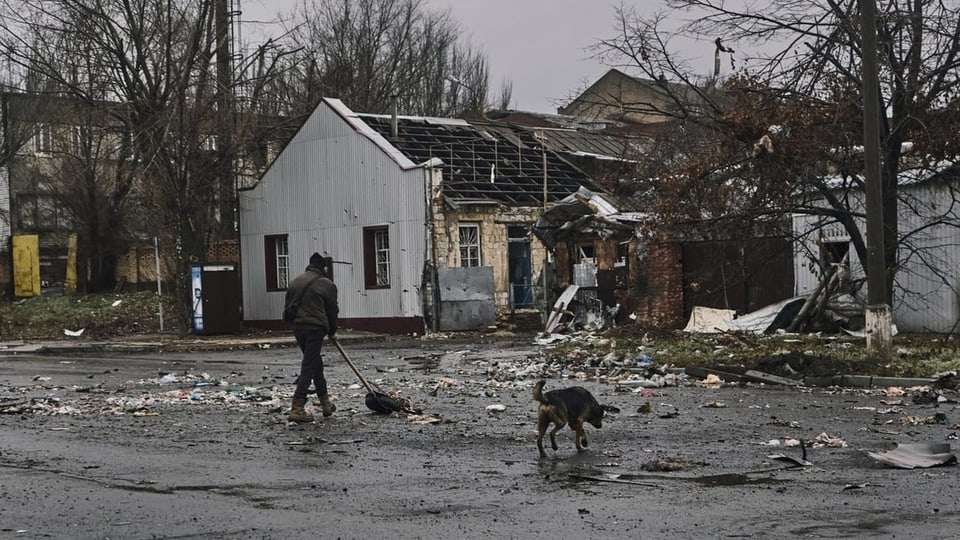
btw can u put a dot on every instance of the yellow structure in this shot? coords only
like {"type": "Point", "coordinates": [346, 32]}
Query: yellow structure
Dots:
{"type": "Point", "coordinates": [26, 265]}
{"type": "Point", "coordinates": [70, 283]}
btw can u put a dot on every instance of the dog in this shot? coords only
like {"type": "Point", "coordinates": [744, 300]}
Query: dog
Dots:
{"type": "Point", "coordinates": [574, 406]}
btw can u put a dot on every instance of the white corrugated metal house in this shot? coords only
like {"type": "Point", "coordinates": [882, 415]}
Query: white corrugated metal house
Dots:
{"type": "Point", "coordinates": [927, 285]}
{"type": "Point", "coordinates": [392, 199]}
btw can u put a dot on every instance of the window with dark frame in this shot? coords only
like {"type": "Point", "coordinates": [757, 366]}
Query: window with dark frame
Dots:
{"type": "Point", "coordinates": [277, 260]}
{"type": "Point", "coordinates": [470, 245]}
{"type": "Point", "coordinates": [38, 212]}
{"type": "Point", "coordinates": [42, 138]}
{"type": "Point", "coordinates": [376, 258]}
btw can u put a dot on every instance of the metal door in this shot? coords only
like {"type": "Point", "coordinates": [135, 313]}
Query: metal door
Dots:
{"type": "Point", "coordinates": [221, 301]}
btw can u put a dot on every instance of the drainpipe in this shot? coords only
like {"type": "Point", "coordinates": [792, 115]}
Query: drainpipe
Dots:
{"type": "Point", "coordinates": [394, 130]}
{"type": "Point", "coordinates": [432, 283]}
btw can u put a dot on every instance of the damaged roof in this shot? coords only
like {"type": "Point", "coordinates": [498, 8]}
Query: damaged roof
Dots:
{"type": "Point", "coordinates": [484, 162]}
{"type": "Point", "coordinates": [585, 213]}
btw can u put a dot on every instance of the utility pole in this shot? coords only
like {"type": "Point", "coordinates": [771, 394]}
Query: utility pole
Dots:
{"type": "Point", "coordinates": [877, 314]}
{"type": "Point", "coordinates": [226, 114]}
{"type": "Point", "coordinates": [546, 257]}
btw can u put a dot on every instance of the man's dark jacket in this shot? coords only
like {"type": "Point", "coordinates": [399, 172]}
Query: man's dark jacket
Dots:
{"type": "Point", "coordinates": [319, 307]}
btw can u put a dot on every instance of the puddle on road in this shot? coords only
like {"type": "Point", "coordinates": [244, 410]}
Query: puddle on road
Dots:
{"type": "Point", "coordinates": [731, 479]}
{"type": "Point", "coordinates": [578, 477]}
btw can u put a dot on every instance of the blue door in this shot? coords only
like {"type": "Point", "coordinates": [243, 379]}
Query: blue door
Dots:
{"type": "Point", "coordinates": [521, 274]}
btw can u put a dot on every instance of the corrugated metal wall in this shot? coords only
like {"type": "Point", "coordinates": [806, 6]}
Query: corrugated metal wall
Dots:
{"type": "Point", "coordinates": [326, 186]}
{"type": "Point", "coordinates": [926, 288]}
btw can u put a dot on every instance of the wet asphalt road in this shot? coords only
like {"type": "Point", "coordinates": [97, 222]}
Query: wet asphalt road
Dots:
{"type": "Point", "coordinates": [104, 446]}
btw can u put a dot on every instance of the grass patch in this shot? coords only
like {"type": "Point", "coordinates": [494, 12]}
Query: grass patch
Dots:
{"type": "Point", "coordinates": [99, 315]}
{"type": "Point", "coordinates": [788, 355]}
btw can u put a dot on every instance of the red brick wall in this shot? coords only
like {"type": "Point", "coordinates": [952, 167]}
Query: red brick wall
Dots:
{"type": "Point", "coordinates": [224, 252]}
{"type": "Point", "coordinates": [662, 304]}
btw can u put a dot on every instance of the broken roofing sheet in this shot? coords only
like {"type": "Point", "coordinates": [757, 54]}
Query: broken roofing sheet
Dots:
{"type": "Point", "coordinates": [919, 455]}
{"type": "Point", "coordinates": [584, 212]}
{"type": "Point", "coordinates": [761, 321]}
{"type": "Point", "coordinates": [777, 316]}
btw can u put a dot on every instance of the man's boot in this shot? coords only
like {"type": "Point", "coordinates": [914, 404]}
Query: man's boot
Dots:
{"type": "Point", "coordinates": [298, 413]}
{"type": "Point", "coordinates": [326, 406]}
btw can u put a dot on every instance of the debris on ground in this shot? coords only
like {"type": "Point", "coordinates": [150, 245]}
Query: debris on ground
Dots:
{"type": "Point", "coordinates": [823, 440]}
{"type": "Point", "coordinates": [712, 381]}
{"type": "Point", "coordinates": [916, 455]}
{"type": "Point", "coordinates": [671, 464]}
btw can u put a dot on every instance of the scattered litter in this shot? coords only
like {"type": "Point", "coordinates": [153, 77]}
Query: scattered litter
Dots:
{"type": "Point", "coordinates": [918, 455]}
{"type": "Point", "coordinates": [850, 487]}
{"type": "Point", "coordinates": [938, 418]}
{"type": "Point", "coordinates": [823, 440]}
{"type": "Point", "coordinates": [550, 339]}
{"type": "Point", "coordinates": [73, 333]}
{"type": "Point", "coordinates": [787, 441]}
{"type": "Point", "coordinates": [712, 381]}
{"type": "Point", "coordinates": [422, 419]}
{"type": "Point", "coordinates": [496, 407]}
{"type": "Point", "coordinates": [116, 303]}
{"type": "Point", "coordinates": [714, 405]}
{"type": "Point", "coordinates": [795, 462]}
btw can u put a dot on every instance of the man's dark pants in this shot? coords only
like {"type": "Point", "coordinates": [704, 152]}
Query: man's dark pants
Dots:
{"type": "Point", "coordinates": [310, 341]}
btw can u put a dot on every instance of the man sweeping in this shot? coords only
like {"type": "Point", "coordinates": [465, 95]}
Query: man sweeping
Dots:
{"type": "Point", "coordinates": [313, 297]}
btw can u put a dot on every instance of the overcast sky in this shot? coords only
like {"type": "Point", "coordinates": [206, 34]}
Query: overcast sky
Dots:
{"type": "Point", "coordinates": [538, 45]}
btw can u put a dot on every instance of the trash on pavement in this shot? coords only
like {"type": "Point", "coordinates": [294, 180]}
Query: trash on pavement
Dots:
{"type": "Point", "coordinates": [422, 419]}
{"type": "Point", "coordinates": [787, 441]}
{"type": "Point", "coordinates": [712, 381]}
{"type": "Point", "coordinates": [938, 418]}
{"type": "Point", "coordinates": [917, 455]}
{"type": "Point", "coordinates": [794, 462]}
{"type": "Point", "coordinates": [823, 440]}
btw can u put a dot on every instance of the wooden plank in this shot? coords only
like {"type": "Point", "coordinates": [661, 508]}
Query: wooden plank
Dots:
{"type": "Point", "coordinates": [559, 307]}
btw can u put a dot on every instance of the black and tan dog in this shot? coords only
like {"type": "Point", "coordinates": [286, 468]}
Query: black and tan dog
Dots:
{"type": "Point", "coordinates": [574, 406]}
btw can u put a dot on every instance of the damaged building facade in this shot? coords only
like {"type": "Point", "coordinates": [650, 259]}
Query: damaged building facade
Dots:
{"type": "Point", "coordinates": [926, 292]}
{"type": "Point", "coordinates": [426, 220]}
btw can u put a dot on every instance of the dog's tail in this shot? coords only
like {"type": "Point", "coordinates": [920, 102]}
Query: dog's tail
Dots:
{"type": "Point", "coordinates": [538, 391]}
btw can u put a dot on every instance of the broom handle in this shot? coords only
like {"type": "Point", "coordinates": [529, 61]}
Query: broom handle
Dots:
{"type": "Point", "coordinates": [353, 367]}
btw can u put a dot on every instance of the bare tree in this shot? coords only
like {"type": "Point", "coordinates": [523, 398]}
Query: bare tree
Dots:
{"type": "Point", "coordinates": [801, 100]}
{"type": "Point", "coordinates": [373, 54]}
{"type": "Point", "coordinates": [156, 58]}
